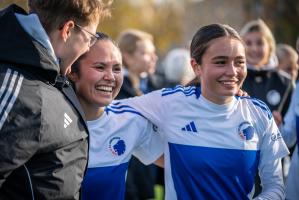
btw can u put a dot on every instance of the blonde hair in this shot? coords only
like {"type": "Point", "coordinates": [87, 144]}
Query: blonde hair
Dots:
{"type": "Point", "coordinates": [260, 26]}
{"type": "Point", "coordinates": [127, 40]}
{"type": "Point", "coordinates": [285, 51]}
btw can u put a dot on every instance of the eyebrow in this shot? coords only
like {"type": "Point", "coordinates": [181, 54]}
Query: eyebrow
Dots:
{"type": "Point", "coordinates": [226, 57]}
{"type": "Point", "coordinates": [105, 64]}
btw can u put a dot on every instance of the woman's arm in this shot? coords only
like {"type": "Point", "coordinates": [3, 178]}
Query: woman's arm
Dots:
{"type": "Point", "coordinates": [160, 161]}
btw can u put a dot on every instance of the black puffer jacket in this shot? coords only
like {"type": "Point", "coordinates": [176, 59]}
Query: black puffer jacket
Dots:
{"type": "Point", "coordinates": [270, 86]}
{"type": "Point", "coordinates": [43, 136]}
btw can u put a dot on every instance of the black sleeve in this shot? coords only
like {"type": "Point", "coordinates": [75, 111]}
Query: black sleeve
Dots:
{"type": "Point", "coordinates": [19, 123]}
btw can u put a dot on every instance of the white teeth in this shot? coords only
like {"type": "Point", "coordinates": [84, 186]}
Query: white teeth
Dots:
{"type": "Point", "coordinates": [228, 82]}
{"type": "Point", "coordinates": [104, 88]}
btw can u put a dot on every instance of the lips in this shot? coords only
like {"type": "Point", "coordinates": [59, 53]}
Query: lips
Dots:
{"type": "Point", "coordinates": [229, 81]}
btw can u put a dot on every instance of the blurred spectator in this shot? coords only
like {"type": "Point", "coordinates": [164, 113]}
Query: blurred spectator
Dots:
{"type": "Point", "coordinates": [177, 67]}
{"type": "Point", "coordinates": [263, 80]}
{"type": "Point", "coordinates": [289, 130]}
{"type": "Point", "coordinates": [287, 60]}
{"type": "Point", "coordinates": [139, 59]}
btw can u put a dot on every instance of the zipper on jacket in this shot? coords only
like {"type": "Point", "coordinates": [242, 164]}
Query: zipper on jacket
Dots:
{"type": "Point", "coordinates": [30, 182]}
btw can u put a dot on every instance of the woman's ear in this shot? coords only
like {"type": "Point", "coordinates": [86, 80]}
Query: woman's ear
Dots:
{"type": "Point", "coordinates": [126, 58]}
{"type": "Point", "coordinates": [65, 31]}
{"type": "Point", "coordinates": [196, 67]}
{"type": "Point", "coordinates": [73, 76]}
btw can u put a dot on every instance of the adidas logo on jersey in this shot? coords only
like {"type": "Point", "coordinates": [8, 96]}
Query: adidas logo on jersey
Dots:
{"type": "Point", "coordinates": [190, 127]}
{"type": "Point", "coordinates": [67, 120]}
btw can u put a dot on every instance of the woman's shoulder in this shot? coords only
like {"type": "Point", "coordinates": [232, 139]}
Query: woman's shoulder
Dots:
{"type": "Point", "coordinates": [256, 107]}
{"type": "Point", "coordinates": [181, 91]}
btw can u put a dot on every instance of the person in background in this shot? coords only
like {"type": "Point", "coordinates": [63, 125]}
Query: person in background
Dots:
{"type": "Point", "coordinates": [139, 60]}
{"type": "Point", "coordinates": [43, 135]}
{"type": "Point", "coordinates": [115, 132]}
{"type": "Point", "coordinates": [290, 132]}
{"type": "Point", "coordinates": [177, 68]}
{"type": "Point", "coordinates": [264, 81]}
{"type": "Point", "coordinates": [215, 141]}
{"type": "Point", "coordinates": [287, 60]}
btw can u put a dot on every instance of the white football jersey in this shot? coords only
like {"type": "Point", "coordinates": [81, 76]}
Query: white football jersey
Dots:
{"type": "Point", "coordinates": [114, 137]}
{"type": "Point", "coordinates": [213, 151]}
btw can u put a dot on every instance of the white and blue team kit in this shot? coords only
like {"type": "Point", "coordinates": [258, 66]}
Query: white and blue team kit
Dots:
{"type": "Point", "coordinates": [213, 151]}
{"type": "Point", "coordinates": [114, 137]}
{"type": "Point", "coordinates": [290, 134]}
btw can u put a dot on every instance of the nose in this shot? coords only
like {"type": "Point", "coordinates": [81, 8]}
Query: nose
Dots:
{"type": "Point", "coordinates": [231, 69]}
{"type": "Point", "coordinates": [253, 47]}
{"type": "Point", "coordinates": [155, 57]}
{"type": "Point", "coordinates": [109, 75]}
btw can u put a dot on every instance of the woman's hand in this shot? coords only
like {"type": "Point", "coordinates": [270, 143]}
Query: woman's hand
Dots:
{"type": "Point", "coordinates": [277, 117]}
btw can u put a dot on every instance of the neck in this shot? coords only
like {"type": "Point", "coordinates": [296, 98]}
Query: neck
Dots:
{"type": "Point", "coordinates": [217, 99]}
{"type": "Point", "coordinates": [91, 112]}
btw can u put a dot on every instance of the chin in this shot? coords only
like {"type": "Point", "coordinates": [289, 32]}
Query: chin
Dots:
{"type": "Point", "coordinates": [103, 103]}
{"type": "Point", "coordinates": [230, 93]}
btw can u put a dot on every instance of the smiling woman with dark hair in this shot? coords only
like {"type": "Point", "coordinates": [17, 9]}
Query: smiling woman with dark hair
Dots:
{"type": "Point", "coordinates": [215, 141]}
{"type": "Point", "coordinates": [116, 133]}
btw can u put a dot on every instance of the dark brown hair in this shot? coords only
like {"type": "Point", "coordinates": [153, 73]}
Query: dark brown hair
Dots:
{"type": "Point", "coordinates": [201, 39]}
{"type": "Point", "coordinates": [102, 37]}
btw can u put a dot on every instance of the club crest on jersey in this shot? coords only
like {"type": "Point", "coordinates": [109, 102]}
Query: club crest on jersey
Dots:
{"type": "Point", "coordinates": [117, 146]}
{"type": "Point", "coordinates": [246, 131]}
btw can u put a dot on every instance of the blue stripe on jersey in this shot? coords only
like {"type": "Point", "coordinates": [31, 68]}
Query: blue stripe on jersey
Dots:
{"type": "Point", "coordinates": [117, 108]}
{"type": "Point", "coordinates": [188, 91]}
{"type": "Point", "coordinates": [173, 88]}
{"type": "Point", "coordinates": [297, 130]}
{"type": "Point", "coordinates": [115, 103]}
{"type": "Point", "coordinates": [105, 183]}
{"type": "Point", "coordinates": [212, 173]}
{"type": "Point", "coordinates": [122, 111]}
{"type": "Point", "coordinates": [121, 106]}
{"type": "Point", "coordinates": [261, 105]}
{"type": "Point", "coordinates": [197, 92]}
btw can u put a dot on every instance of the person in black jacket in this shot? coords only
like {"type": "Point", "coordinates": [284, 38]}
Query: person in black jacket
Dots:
{"type": "Point", "coordinates": [139, 59]}
{"type": "Point", "coordinates": [264, 81]}
{"type": "Point", "coordinates": [43, 135]}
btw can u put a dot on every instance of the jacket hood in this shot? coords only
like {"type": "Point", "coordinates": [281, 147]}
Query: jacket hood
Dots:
{"type": "Point", "coordinates": [19, 49]}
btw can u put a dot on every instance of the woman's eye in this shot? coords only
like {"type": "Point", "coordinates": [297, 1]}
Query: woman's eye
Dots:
{"type": "Point", "coordinates": [99, 67]}
{"type": "Point", "coordinates": [117, 69]}
{"type": "Point", "coordinates": [240, 63]}
{"type": "Point", "coordinates": [220, 62]}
